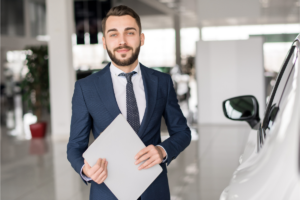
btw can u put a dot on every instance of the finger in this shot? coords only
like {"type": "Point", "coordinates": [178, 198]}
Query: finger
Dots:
{"type": "Point", "coordinates": [144, 157]}
{"type": "Point", "coordinates": [141, 152]}
{"type": "Point", "coordinates": [146, 163]}
{"type": "Point", "coordinates": [105, 167]}
{"type": "Point", "coordinates": [96, 175]}
{"type": "Point", "coordinates": [144, 151]}
{"type": "Point", "coordinates": [96, 167]}
{"type": "Point", "coordinates": [102, 179]}
{"type": "Point", "coordinates": [103, 163]}
{"type": "Point", "coordinates": [98, 163]}
{"type": "Point", "coordinates": [106, 163]}
{"type": "Point", "coordinates": [87, 164]}
{"type": "Point", "coordinates": [151, 164]}
{"type": "Point", "coordinates": [101, 176]}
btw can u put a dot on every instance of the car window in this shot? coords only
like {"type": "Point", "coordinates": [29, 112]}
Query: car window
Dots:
{"type": "Point", "coordinates": [289, 84]}
{"type": "Point", "coordinates": [283, 89]}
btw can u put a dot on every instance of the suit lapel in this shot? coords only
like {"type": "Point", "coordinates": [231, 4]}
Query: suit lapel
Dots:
{"type": "Point", "coordinates": [105, 90]}
{"type": "Point", "coordinates": [150, 85]}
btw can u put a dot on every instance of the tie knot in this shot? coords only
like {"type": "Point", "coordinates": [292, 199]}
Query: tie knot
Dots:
{"type": "Point", "coordinates": [128, 75]}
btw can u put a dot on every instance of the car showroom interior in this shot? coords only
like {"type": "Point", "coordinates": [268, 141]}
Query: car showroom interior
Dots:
{"type": "Point", "coordinates": [234, 82]}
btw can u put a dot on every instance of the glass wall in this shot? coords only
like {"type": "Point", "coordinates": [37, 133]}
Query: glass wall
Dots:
{"type": "Point", "coordinates": [158, 50]}
{"type": "Point", "coordinates": [37, 18]}
{"type": "Point", "coordinates": [12, 18]}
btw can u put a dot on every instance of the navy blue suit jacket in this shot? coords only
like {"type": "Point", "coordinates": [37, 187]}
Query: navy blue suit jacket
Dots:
{"type": "Point", "coordinates": [94, 107]}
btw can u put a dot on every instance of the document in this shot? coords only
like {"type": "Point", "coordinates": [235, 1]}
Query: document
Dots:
{"type": "Point", "coordinates": [119, 144]}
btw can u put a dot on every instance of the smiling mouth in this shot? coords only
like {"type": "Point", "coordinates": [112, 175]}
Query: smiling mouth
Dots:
{"type": "Point", "coordinates": [122, 50]}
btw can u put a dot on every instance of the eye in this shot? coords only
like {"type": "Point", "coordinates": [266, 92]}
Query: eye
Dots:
{"type": "Point", "coordinates": [113, 35]}
{"type": "Point", "coordinates": [130, 33]}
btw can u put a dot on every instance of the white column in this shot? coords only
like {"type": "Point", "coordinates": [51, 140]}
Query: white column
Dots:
{"type": "Point", "coordinates": [27, 19]}
{"type": "Point", "coordinates": [200, 32]}
{"type": "Point", "coordinates": [62, 74]}
{"type": "Point", "coordinates": [176, 19]}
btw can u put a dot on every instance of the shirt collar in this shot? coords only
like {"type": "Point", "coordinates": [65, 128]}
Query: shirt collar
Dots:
{"type": "Point", "coordinates": [116, 71]}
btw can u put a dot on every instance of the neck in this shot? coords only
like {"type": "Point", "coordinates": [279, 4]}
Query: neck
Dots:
{"type": "Point", "coordinates": [128, 68]}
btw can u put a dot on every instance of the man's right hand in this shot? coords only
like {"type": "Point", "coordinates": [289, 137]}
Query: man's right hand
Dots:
{"type": "Point", "coordinates": [98, 172]}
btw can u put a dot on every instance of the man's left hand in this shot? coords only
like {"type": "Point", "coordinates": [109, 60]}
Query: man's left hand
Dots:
{"type": "Point", "coordinates": [153, 154]}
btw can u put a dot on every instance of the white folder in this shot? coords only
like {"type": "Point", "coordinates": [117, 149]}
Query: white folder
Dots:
{"type": "Point", "coordinates": [119, 144]}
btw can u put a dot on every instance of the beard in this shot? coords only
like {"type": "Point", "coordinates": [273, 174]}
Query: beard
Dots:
{"type": "Point", "coordinates": [128, 61]}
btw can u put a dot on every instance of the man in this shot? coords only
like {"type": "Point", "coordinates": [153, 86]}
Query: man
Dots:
{"type": "Point", "coordinates": [141, 94]}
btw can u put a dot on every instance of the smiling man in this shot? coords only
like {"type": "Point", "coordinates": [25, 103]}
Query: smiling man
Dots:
{"type": "Point", "coordinates": [141, 94]}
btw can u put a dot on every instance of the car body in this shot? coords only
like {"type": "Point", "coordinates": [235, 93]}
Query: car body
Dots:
{"type": "Point", "coordinates": [270, 165]}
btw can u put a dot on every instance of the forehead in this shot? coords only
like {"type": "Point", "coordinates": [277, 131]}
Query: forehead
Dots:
{"type": "Point", "coordinates": [120, 22]}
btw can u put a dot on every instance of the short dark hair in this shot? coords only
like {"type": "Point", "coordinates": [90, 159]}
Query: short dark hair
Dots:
{"type": "Point", "coordinates": [121, 11]}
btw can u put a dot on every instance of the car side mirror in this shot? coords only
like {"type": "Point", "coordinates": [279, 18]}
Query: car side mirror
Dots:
{"type": "Point", "coordinates": [242, 108]}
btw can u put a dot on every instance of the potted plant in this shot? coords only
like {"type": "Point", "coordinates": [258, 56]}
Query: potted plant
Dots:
{"type": "Point", "coordinates": [35, 86]}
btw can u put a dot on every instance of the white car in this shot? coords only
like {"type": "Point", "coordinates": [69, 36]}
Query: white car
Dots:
{"type": "Point", "coordinates": [270, 165]}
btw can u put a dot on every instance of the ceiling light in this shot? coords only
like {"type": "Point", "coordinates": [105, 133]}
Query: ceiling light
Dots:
{"type": "Point", "coordinates": [166, 1]}
{"type": "Point", "coordinates": [265, 3]}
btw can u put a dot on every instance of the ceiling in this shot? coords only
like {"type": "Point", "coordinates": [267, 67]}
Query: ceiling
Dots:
{"type": "Point", "coordinates": [159, 13]}
{"type": "Point", "coordinates": [268, 12]}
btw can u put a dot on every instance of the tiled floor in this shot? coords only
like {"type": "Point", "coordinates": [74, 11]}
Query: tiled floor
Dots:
{"type": "Point", "coordinates": [39, 169]}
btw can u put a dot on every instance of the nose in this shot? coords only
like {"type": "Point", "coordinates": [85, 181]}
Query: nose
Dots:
{"type": "Point", "coordinates": [122, 40]}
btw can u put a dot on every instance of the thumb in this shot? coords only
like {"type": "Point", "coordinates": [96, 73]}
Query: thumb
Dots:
{"type": "Point", "coordinates": [99, 161]}
{"type": "Point", "coordinates": [87, 164]}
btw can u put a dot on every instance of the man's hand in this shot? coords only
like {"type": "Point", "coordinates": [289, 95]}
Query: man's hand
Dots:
{"type": "Point", "coordinates": [98, 172]}
{"type": "Point", "coordinates": [153, 154]}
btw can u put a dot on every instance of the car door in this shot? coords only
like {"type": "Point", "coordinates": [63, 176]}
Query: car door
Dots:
{"type": "Point", "coordinates": [278, 95]}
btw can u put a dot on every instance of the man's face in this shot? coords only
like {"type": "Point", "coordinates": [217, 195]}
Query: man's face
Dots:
{"type": "Point", "coordinates": [122, 39]}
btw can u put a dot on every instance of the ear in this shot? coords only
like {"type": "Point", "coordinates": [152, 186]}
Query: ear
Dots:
{"type": "Point", "coordinates": [103, 42]}
{"type": "Point", "coordinates": [142, 39]}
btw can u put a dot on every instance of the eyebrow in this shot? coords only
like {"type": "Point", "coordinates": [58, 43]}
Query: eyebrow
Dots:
{"type": "Point", "coordinates": [126, 29]}
{"type": "Point", "coordinates": [113, 29]}
{"type": "Point", "coordinates": [130, 28]}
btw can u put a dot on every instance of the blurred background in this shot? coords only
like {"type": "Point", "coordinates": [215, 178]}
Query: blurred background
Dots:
{"type": "Point", "coordinates": [213, 50]}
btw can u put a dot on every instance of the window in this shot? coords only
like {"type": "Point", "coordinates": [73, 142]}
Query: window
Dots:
{"type": "Point", "coordinates": [282, 88]}
{"type": "Point", "coordinates": [12, 18]}
{"type": "Point", "coordinates": [37, 18]}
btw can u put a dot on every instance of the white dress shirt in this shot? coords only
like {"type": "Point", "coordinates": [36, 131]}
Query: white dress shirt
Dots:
{"type": "Point", "coordinates": [119, 85]}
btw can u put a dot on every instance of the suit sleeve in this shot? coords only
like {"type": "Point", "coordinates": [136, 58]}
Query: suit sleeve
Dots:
{"type": "Point", "coordinates": [180, 133]}
{"type": "Point", "coordinates": [81, 122]}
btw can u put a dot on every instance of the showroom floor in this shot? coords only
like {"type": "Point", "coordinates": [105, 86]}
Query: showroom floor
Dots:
{"type": "Point", "coordinates": [39, 169]}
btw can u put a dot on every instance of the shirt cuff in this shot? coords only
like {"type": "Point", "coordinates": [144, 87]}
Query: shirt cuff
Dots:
{"type": "Point", "coordinates": [84, 177]}
{"type": "Point", "coordinates": [166, 154]}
